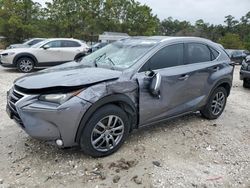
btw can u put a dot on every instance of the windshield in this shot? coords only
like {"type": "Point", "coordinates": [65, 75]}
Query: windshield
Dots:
{"type": "Point", "coordinates": [40, 44]}
{"type": "Point", "coordinates": [121, 54]}
{"type": "Point", "coordinates": [27, 42]}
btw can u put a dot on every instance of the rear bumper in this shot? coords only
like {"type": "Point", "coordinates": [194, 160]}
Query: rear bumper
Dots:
{"type": "Point", "coordinates": [244, 74]}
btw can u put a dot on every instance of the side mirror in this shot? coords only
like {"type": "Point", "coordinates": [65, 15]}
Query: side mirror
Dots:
{"type": "Point", "coordinates": [155, 85]}
{"type": "Point", "coordinates": [45, 47]}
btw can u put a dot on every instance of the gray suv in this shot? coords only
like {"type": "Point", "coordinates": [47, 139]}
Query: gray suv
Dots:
{"type": "Point", "coordinates": [128, 84]}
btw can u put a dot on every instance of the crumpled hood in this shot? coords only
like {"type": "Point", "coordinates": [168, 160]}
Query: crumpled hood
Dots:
{"type": "Point", "coordinates": [68, 75]}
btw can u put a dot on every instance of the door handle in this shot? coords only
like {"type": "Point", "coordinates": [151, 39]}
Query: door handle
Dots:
{"type": "Point", "coordinates": [184, 77]}
{"type": "Point", "coordinates": [214, 68]}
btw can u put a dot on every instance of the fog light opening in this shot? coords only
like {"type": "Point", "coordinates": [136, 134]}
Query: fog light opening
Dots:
{"type": "Point", "coordinates": [59, 143]}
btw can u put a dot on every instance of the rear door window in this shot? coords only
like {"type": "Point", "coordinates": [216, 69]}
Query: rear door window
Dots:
{"type": "Point", "coordinates": [197, 53]}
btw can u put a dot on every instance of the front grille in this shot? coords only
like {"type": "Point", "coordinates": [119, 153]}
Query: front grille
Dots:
{"type": "Point", "coordinates": [13, 98]}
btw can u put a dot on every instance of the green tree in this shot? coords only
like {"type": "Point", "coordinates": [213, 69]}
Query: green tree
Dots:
{"type": "Point", "coordinates": [231, 41]}
{"type": "Point", "coordinates": [19, 19]}
{"type": "Point", "coordinates": [172, 27]}
{"type": "Point", "coordinates": [231, 22]}
{"type": "Point", "coordinates": [247, 42]}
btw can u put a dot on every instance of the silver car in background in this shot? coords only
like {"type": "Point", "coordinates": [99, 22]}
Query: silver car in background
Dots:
{"type": "Point", "coordinates": [27, 43]}
{"type": "Point", "coordinates": [128, 84]}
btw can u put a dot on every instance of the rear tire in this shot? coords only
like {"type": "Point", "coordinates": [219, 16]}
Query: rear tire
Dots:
{"type": "Point", "coordinates": [246, 83]}
{"type": "Point", "coordinates": [25, 65]}
{"type": "Point", "coordinates": [105, 132]}
{"type": "Point", "coordinates": [216, 104]}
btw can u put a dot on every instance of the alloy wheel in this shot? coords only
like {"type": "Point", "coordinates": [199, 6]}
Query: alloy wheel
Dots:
{"type": "Point", "coordinates": [107, 133]}
{"type": "Point", "coordinates": [218, 103]}
{"type": "Point", "coordinates": [26, 65]}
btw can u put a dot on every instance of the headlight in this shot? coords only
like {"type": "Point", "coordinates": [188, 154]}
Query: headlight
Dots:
{"type": "Point", "coordinates": [58, 98]}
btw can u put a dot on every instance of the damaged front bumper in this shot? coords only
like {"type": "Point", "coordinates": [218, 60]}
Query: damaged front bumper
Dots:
{"type": "Point", "coordinates": [47, 121]}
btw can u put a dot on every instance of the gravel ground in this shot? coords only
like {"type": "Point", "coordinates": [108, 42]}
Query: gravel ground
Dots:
{"type": "Point", "coordinates": [186, 152]}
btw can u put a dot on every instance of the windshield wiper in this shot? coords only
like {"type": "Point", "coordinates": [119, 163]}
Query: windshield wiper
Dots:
{"type": "Point", "coordinates": [111, 61]}
{"type": "Point", "coordinates": [98, 58]}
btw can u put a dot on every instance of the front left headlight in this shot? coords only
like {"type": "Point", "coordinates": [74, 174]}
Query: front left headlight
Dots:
{"type": "Point", "coordinates": [58, 98]}
{"type": "Point", "coordinates": [8, 54]}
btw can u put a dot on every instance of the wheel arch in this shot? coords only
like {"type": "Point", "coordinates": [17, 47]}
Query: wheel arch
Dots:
{"type": "Point", "coordinates": [226, 83]}
{"type": "Point", "coordinates": [120, 100]}
{"type": "Point", "coordinates": [227, 86]}
{"type": "Point", "coordinates": [22, 55]}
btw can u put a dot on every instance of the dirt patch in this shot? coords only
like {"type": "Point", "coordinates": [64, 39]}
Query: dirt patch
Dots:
{"type": "Point", "coordinates": [122, 164]}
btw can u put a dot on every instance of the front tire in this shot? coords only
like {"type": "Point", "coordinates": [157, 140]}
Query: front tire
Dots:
{"type": "Point", "coordinates": [105, 132]}
{"type": "Point", "coordinates": [25, 65]}
{"type": "Point", "coordinates": [216, 104]}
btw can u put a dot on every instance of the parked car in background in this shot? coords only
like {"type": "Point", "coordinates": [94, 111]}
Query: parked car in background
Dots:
{"type": "Point", "coordinates": [97, 46]}
{"type": "Point", "coordinates": [27, 44]}
{"type": "Point", "coordinates": [245, 72]}
{"type": "Point", "coordinates": [238, 55]}
{"type": "Point", "coordinates": [47, 53]}
{"type": "Point", "coordinates": [123, 86]}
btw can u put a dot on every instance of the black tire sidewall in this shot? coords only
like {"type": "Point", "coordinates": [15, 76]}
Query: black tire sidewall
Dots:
{"type": "Point", "coordinates": [207, 111]}
{"type": "Point", "coordinates": [246, 83]}
{"type": "Point", "coordinates": [85, 140]}
{"type": "Point", "coordinates": [23, 58]}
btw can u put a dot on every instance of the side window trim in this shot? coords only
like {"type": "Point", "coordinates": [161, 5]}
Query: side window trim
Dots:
{"type": "Point", "coordinates": [148, 59]}
{"type": "Point", "coordinates": [212, 57]}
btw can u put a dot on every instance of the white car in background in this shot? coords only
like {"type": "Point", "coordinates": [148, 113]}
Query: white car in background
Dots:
{"type": "Point", "coordinates": [47, 53]}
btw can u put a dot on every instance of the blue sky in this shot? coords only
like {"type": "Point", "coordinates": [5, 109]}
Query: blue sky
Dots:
{"type": "Point", "coordinates": [212, 11]}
